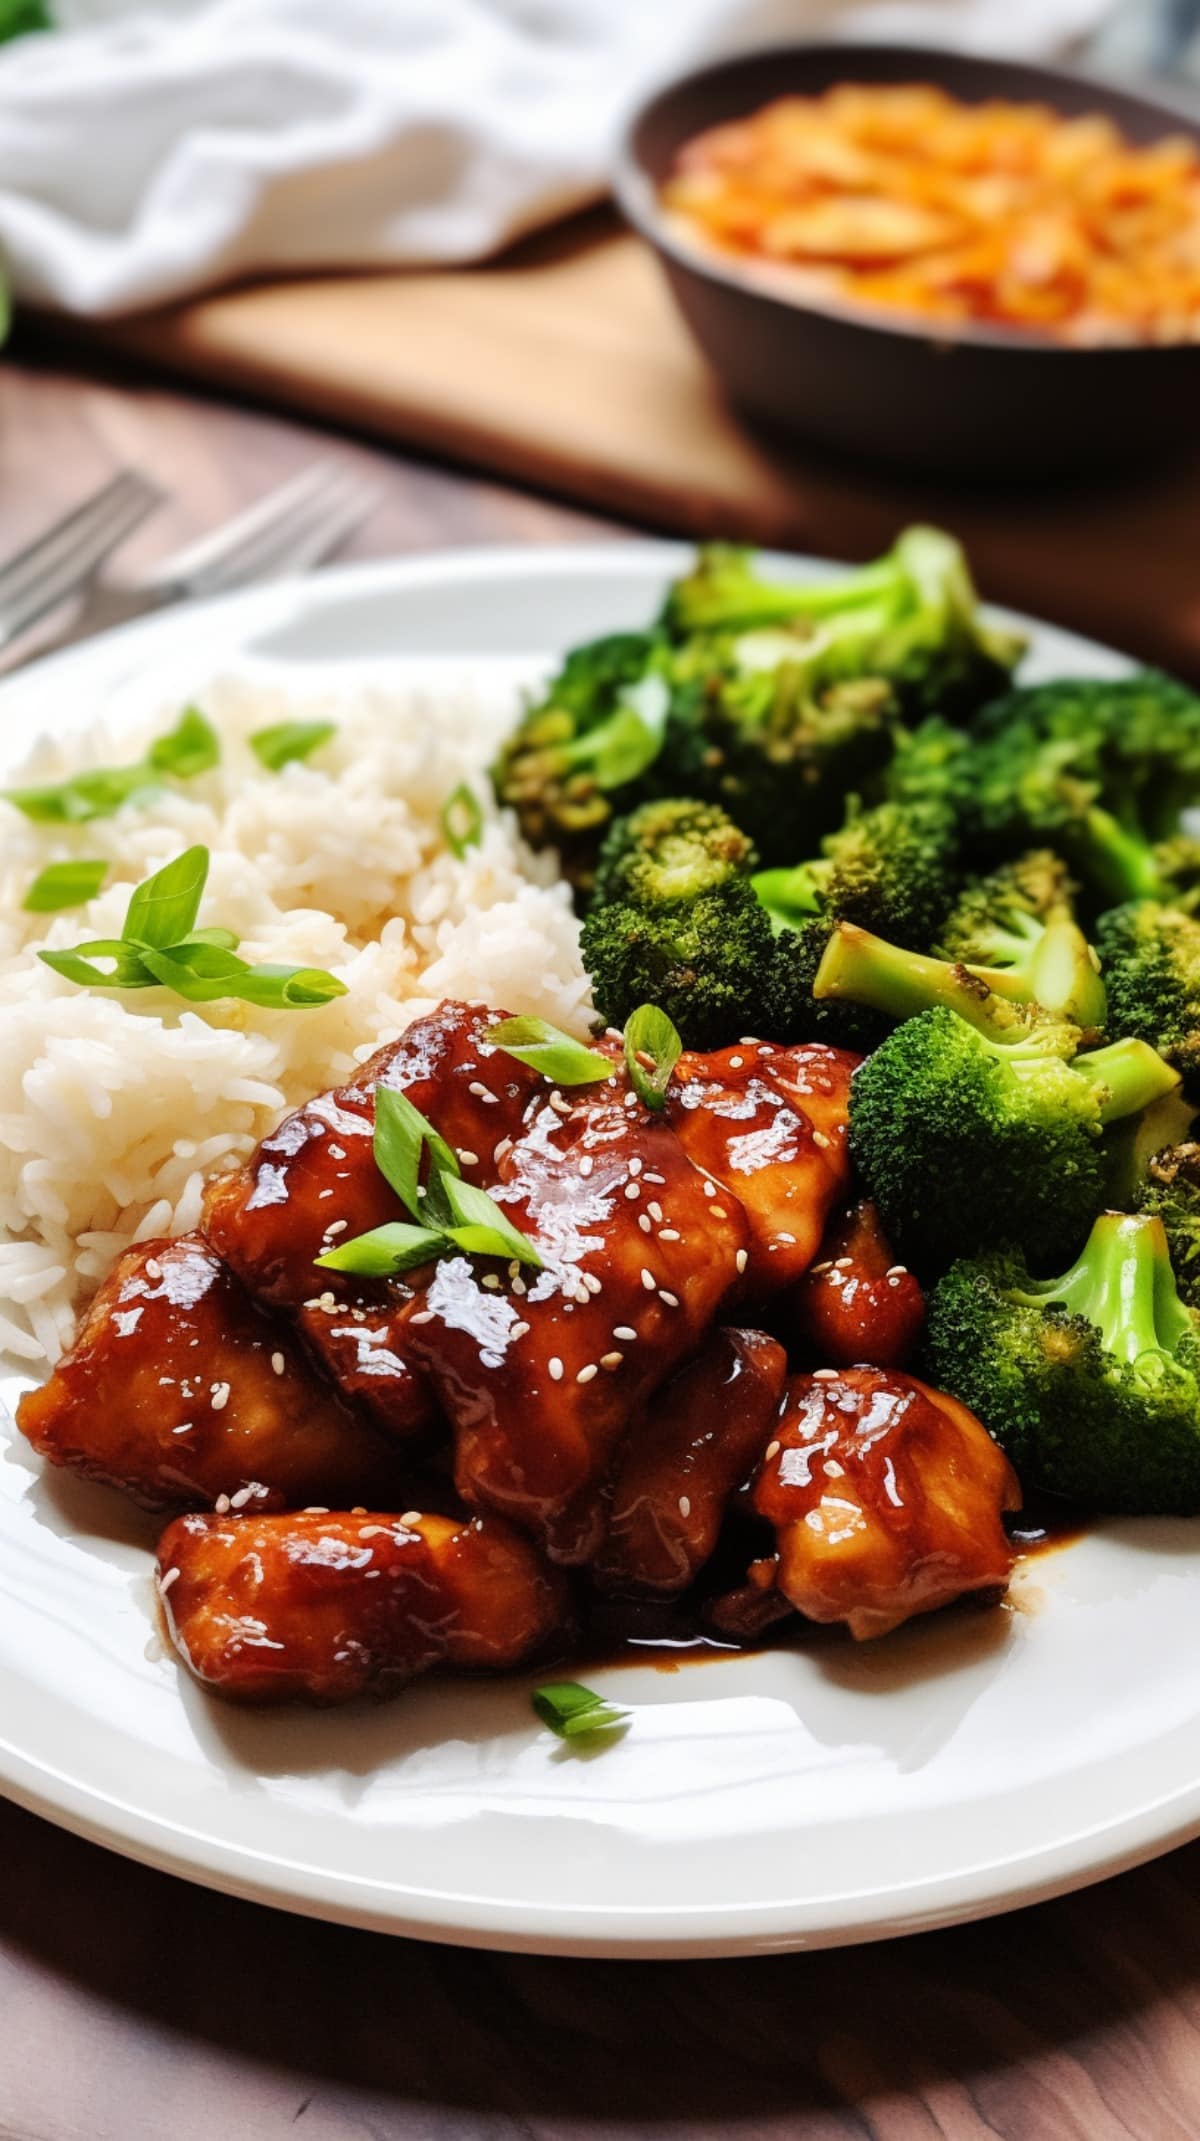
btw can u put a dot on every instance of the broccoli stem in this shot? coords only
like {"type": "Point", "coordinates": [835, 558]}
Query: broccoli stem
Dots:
{"type": "Point", "coordinates": [1128, 1075]}
{"type": "Point", "coordinates": [1120, 863]}
{"type": "Point", "coordinates": [1123, 1284]}
{"type": "Point", "coordinates": [1061, 976]}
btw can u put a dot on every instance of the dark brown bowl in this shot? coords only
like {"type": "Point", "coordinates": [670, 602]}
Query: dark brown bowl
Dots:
{"type": "Point", "coordinates": [977, 402]}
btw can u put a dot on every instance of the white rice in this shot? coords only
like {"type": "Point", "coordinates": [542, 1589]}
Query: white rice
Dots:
{"type": "Point", "coordinates": [115, 1109]}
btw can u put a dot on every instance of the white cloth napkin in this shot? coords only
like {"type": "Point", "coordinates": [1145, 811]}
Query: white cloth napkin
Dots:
{"type": "Point", "coordinates": [152, 150]}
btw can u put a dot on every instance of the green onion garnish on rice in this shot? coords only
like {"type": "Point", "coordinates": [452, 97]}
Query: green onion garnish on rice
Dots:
{"type": "Point", "coordinates": [64, 884]}
{"type": "Point", "coordinates": [287, 742]}
{"type": "Point", "coordinates": [161, 947]}
{"type": "Point", "coordinates": [188, 749]}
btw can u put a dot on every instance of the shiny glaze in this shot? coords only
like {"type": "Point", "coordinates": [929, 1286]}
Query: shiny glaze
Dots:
{"type": "Point", "coordinates": [358, 1338]}
{"type": "Point", "coordinates": [178, 1390]}
{"type": "Point", "coordinates": [696, 1441]}
{"type": "Point", "coordinates": [770, 1126]}
{"type": "Point", "coordinates": [328, 1607]}
{"type": "Point", "coordinates": [856, 1303]}
{"type": "Point", "coordinates": [531, 1444]}
{"type": "Point", "coordinates": [887, 1499]}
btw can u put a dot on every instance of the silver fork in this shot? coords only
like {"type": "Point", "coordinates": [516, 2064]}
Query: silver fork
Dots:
{"type": "Point", "coordinates": [62, 560]}
{"type": "Point", "coordinates": [292, 528]}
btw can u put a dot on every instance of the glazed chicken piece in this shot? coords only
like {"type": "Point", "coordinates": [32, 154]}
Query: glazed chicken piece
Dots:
{"type": "Point", "coordinates": [856, 1303]}
{"type": "Point", "coordinates": [539, 1374]}
{"type": "Point", "coordinates": [314, 1180]}
{"type": "Point", "coordinates": [695, 1442]}
{"type": "Point", "coordinates": [886, 1497]}
{"type": "Point", "coordinates": [770, 1126]}
{"type": "Point", "coordinates": [267, 1608]}
{"type": "Point", "coordinates": [179, 1391]}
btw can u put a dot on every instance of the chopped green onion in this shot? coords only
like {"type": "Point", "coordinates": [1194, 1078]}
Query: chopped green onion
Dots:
{"type": "Point", "coordinates": [481, 1228]}
{"type": "Point", "coordinates": [544, 1048]}
{"type": "Point", "coordinates": [64, 884]}
{"type": "Point", "coordinates": [164, 907]}
{"type": "Point", "coordinates": [191, 747]}
{"type": "Point", "coordinates": [385, 1251]}
{"type": "Point", "coordinates": [401, 1135]}
{"type": "Point", "coordinates": [158, 945]}
{"type": "Point", "coordinates": [287, 741]}
{"type": "Point", "coordinates": [462, 820]}
{"type": "Point", "coordinates": [649, 1034]}
{"type": "Point", "coordinates": [575, 1712]}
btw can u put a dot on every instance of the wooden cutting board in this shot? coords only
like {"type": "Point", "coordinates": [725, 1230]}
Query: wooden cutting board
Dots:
{"type": "Point", "coordinates": [565, 366]}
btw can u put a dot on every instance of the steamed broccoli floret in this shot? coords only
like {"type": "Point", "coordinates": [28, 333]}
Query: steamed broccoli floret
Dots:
{"type": "Point", "coordinates": [757, 729]}
{"type": "Point", "coordinates": [967, 1139]}
{"type": "Point", "coordinates": [1058, 975]}
{"type": "Point", "coordinates": [669, 851]}
{"type": "Point", "coordinates": [889, 869]}
{"type": "Point", "coordinates": [912, 617]}
{"type": "Point", "coordinates": [1151, 958]}
{"type": "Point", "coordinates": [581, 749]}
{"type": "Point", "coordinates": [1101, 772]}
{"type": "Point", "coordinates": [1090, 1381]}
{"type": "Point", "coordinates": [1017, 929]}
{"type": "Point", "coordinates": [702, 961]}
{"type": "Point", "coordinates": [932, 763]}
{"type": "Point", "coordinates": [1170, 1191]}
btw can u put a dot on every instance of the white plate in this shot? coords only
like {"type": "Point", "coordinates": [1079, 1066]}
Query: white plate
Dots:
{"type": "Point", "coordinates": [793, 1799]}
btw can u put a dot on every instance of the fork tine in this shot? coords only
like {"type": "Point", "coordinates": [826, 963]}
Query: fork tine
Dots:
{"type": "Point", "coordinates": [41, 575]}
{"type": "Point", "coordinates": [231, 548]}
{"type": "Point", "coordinates": [307, 536]}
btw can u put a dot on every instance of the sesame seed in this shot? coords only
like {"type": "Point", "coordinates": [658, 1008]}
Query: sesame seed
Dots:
{"type": "Point", "coordinates": [736, 1062]}
{"type": "Point", "coordinates": [519, 1330]}
{"type": "Point", "coordinates": [819, 1269]}
{"type": "Point", "coordinates": [719, 1212]}
{"type": "Point", "coordinates": [423, 1315]}
{"type": "Point", "coordinates": [819, 1138]}
{"type": "Point", "coordinates": [649, 1281]}
{"type": "Point", "coordinates": [611, 1360]}
{"type": "Point", "coordinates": [337, 1226]}
{"type": "Point", "coordinates": [153, 1268]}
{"type": "Point", "coordinates": [825, 1375]}
{"type": "Point", "coordinates": [897, 1271]}
{"type": "Point", "coordinates": [376, 1531]}
{"type": "Point", "coordinates": [315, 1509]}
{"type": "Point", "coordinates": [741, 1260]}
{"type": "Point", "coordinates": [220, 1396]}
{"type": "Point", "coordinates": [765, 1049]}
{"type": "Point", "coordinates": [790, 1239]}
{"type": "Point", "coordinates": [655, 1210]}
{"type": "Point", "coordinates": [411, 1516]}
{"type": "Point", "coordinates": [586, 1165]}
{"type": "Point", "coordinates": [519, 1286]}
{"type": "Point", "coordinates": [668, 1234]}
{"type": "Point", "coordinates": [469, 1159]}
{"type": "Point", "coordinates": [660, 1179]}
{"type": "Point", "coordinates": [588, 1374]}
{"type": "Point", "coordinates": [243, 1495]}
{"type": "Point", "coordinates": [843, 1263]}
{"type": "Point", "coordinates": [634, 1189]}
{"type": "Point", "coordinates": [644, 1222]}
{"type": "Point", "coordinates": [672, 1300]}
{"type": "Point", "coordinates": [559, 1105]}
{"type": "Point", "coordinates": [490, 1280]}
{"type": "Point", "coordinates": [625, 1331]}
{"type": "Point", "coordinates": [613, 1033]}
{"type": "Point", "coordinates": [772, 1450]}
{"type": "Point", "coordinates": [554, 1368]}
{"type": "Point", "coordinates": [166, 1580]}
{"type": "Point", "coordinates": [278, 1363]}
{"type": "Point", "coordinates": [710, 1189]}
{"type": "Point", "coordinates": [685, 1507]}
{"type": "Point", "coordinates": [477, 1087]}
{"type": "Point", "coordinates": [505, 1146]}
{"type": "Point", "coordinates": [635, 1165]}
{"type": "Point", "coordinates": [221, 1505]}
{"type": "Point", "coordinates": [324, 1193]}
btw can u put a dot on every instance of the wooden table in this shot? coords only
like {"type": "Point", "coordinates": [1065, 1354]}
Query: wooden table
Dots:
{"type": "Point", "coordinates": [133, 2006]}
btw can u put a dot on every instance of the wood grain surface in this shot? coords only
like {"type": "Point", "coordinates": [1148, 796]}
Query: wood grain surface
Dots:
{"type": "Point", "coordinates": [137, 2008]}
